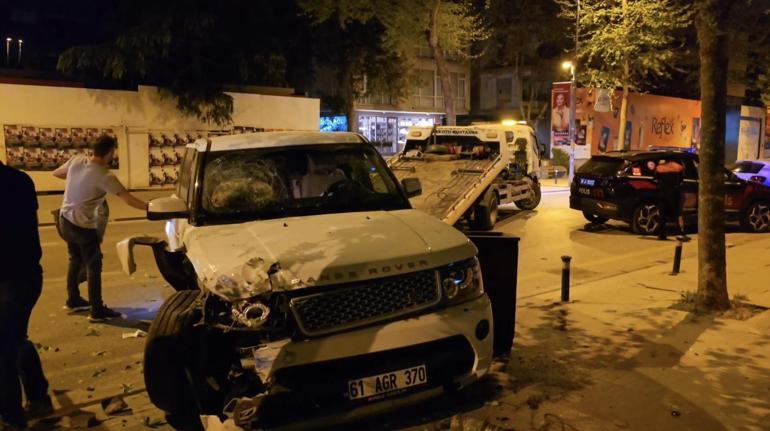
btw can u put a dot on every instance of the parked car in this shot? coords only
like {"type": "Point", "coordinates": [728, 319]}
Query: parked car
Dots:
{"type": "Point", "coordinates": [752, 170]}
{"type": "Point", "coordinates": [621, 186]}
{"type": "Point", "coordinates": [307, 286]}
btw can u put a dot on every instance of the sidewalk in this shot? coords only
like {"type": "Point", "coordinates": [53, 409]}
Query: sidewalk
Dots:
{"type": "Point", "coordinates": [617, 357]}
{"type": "Point", "coordinates": [119, 210]}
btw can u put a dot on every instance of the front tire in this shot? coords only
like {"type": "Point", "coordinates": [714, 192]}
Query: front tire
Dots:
{"type": "Point", "coordinates": [646, 219]}
{"type": "Point", "coordinates": [534, 201]}
{"type": "Point", "coordinates": [485, 214]}
{"type": "Point", "coordinates": [169, 345]}
{"type": "Point", "coordinates": [756, 218]}
{"type": "Point", "coordinates": [594, 219]}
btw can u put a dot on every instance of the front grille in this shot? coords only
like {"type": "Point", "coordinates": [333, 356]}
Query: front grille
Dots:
{"type": "Point", "coordinates": [360, 304]}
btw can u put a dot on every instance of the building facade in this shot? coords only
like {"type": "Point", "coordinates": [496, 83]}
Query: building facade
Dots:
{"type": "Point", "coordinates": [385, 121]}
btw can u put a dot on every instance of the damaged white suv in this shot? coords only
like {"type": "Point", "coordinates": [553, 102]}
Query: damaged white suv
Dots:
{"type": "Point", "coordinates": [307, 287]}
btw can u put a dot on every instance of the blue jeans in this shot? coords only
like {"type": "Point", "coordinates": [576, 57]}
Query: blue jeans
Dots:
{"type": "Point", "coordinates": [19, 362]}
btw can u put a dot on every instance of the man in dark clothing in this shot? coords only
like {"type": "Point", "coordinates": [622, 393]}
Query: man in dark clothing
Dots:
{"type": "Point", "coordinates": [21, 282]}
{"type": "Point", "coordinates": [670, 176]}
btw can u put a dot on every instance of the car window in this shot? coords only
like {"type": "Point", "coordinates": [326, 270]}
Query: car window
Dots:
{"type": "Point", "coordinates": [645, 167]}
{"type": "Point", "coordinates": [535, 144]}
{"type": "Point", "coordinates": [601, 166]}
{"type": "Point", "coordinates": [690, 169]}
{"type": "Point", "coordinates": [745, 167]}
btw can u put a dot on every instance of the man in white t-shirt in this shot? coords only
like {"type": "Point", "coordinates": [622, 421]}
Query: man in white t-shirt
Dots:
{"type": "Point", "coordinates": [88, 181]}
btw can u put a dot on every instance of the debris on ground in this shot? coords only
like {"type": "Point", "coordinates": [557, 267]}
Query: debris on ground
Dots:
{"type": "Point", "coordinates": [79, 420]}
{"type": "Point", "coordinates": [99, 353]}
{"type": "Point", "coordinates": [114, 405]}
{"type": "Point", "coordinates": [136, 334]}
{"type": "Point", "coordinates": [152, 422]}
{"type": "Point", "coordinates": [126, 387]}
{"type": "Point", "coordinates": [99, 372]}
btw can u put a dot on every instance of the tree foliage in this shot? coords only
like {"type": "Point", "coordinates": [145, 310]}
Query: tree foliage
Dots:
{"type": "Point", "coordinates": [531, 38]}
{"type": "Point", "coordinates": [448, 27]}
{"type": "Point", "coordinates": [191, 49]}
{"type": "Point", "coordinates": [613, 33]}
{"type": "Point", "coordinates": [354, 57]}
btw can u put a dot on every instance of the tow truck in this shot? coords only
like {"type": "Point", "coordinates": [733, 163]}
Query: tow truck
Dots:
{"type": "Point", "coordinates": [467, 172]}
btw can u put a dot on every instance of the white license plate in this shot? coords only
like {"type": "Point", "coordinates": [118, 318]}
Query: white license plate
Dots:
{"type": "Point", "coordinates": [388, 382]}
{"type": "Point", "coordinates": [584, 191]}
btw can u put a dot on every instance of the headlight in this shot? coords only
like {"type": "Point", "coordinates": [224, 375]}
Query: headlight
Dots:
{"type": "Point", "coordinates": [252, 314]}
{"type": "Point", "coordinates": [462, 281]}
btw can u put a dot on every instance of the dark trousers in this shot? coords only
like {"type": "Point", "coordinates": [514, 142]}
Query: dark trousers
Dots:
{"type": "Point", "coordinates": [19, 362]}
{"type": "Point", "coordinates": [84, 247]}
{"type": "Point", "coordinates": [669, 204]}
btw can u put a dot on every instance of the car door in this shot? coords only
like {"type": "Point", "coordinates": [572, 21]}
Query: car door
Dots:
{"type": "Point", "coordinates": [736, 194]}
{"type": "Point", "coordinates": [690, 186]}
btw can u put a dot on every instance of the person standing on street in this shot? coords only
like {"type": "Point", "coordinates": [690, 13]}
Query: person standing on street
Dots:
{"type": "Point", "coordinates": [670, 176]}
{"type": "Point", "coordinates": [88, 182]}
{"type": "Point", "coordinates": [21, 282]}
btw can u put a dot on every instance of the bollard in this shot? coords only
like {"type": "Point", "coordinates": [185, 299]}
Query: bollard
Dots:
{"type": "Point", "coordinates": [677, 258]}
{"type": "Point", "coordinates": [565, 278]}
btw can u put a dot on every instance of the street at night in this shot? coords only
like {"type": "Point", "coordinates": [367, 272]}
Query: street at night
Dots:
{"type": "Point", "coordinates": [448, 215]}
{"type": "Point", "coordinates": [572, 365]}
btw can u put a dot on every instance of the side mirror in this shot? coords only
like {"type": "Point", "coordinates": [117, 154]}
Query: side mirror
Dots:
{"type": "Point", "coordinates": [412, 187]}
{"type": "Point", "coordinates": [541, 150]}
{"type": "Point", "coordinates": [167, 208]}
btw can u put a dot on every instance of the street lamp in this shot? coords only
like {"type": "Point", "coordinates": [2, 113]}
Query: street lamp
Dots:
{"type": "Point", "coordinates": [18, 60]}
{"type": "Point", "coordinates": [568, 65]}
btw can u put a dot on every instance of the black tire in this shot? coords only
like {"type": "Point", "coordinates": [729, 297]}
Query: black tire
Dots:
{"type": "Point", "coordinates": [756, 218]}
{"type": "Point", "coordinates": [594, 219]}
{"type": "Point", "coordinates": [485, 214]}
{"type": "Point", "coordinates": [646, 219]}
{"type": "Point", "coordinates": [169, 345]}
{"type": "Point", "coordinates": [534, 201]}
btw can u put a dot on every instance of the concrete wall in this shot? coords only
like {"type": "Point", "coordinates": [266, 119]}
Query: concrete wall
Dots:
{"type": "Point", "coordinates": [132, 115]}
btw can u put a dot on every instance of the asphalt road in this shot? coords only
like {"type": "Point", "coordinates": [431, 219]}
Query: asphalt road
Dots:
{"type": "Point", "coordinates": [86, 363]}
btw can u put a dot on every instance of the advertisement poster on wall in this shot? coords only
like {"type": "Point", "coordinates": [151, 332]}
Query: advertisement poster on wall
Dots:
{"type": "Point", "coordinates": [560, 114]}
{"type": "Point", "coordinates": [167, 148]}
{"type": "Point", "coordinates": [44, 148]}
{"type": "Point", "coordinates": [166, 152]}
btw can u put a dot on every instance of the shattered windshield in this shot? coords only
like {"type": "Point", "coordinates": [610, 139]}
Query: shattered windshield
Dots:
{"type": "Point", "coordinates": [451, 147]}
{"type": "Point", "coordinates": [268, 183]}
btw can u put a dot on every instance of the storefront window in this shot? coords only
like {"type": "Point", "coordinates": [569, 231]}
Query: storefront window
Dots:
{"type": "Point", "coordinates": [382, 131]}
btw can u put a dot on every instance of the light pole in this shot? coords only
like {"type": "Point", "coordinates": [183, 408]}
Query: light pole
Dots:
{"type": "Point", "coordinates": [572, 110]}
{"type": "Point", "coordinates": [18, 60]}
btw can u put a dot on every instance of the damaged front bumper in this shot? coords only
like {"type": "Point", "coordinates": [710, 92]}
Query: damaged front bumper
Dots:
{"type": "Point", "coordinates": [174, 266]}
{"type": "Point", "coordinates": [309, 380]}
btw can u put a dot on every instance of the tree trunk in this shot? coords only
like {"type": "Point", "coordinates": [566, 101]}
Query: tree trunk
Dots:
{"type": "Point", "coordinates": [711, 24]}
{"type": "Point", "coordinates": [441, 66]}
{"type": "Point", "coordinates": [347, 94]}
{"type": "Point", "coordinates": [624, 101]}
{"type": "Point", "coordinates": [622, 120]}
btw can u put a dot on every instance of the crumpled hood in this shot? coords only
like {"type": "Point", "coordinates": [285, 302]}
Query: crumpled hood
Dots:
{"type": "Point", "coordinates": [239, 261]}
